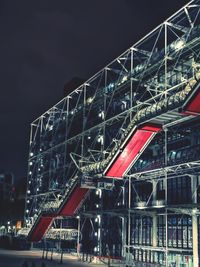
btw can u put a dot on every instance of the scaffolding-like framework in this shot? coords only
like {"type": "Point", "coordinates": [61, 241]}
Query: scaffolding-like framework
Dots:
{"type": "Point", "coordinates": [77, 141]}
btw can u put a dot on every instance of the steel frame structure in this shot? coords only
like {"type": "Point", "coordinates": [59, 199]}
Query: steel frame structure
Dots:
{"type": "Point", "coordinates": [76, 141]}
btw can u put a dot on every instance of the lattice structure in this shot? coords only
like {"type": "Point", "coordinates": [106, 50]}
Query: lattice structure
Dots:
{"type": "Point", "coordinates": [122, 152]}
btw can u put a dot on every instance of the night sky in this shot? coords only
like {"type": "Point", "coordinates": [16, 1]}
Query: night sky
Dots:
{"type": "Point", "coordinates": [45, 43]}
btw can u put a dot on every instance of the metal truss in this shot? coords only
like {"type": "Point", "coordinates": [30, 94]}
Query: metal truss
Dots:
{"type": "Point", "coordinates": [80, 135]}
{"type": "Point", "coordinates": [187, 168]}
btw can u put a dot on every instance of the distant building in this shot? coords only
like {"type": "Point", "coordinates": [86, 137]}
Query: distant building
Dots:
{"type": "Point", "coordinates": [12, 199]}
{"type": "Point", "coordinates": [6, 198]}
{"type": "Point", "coordinates": [6, 186]}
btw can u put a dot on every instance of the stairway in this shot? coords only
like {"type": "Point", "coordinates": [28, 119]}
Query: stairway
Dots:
{"type": "Point", "coordinates": [131, 150]}
{"type": "Point", "coordinates": [73, 201]}
{"type": "Point", "coordinates": [185, 100]}
{"type": "Point", "coordinates": [40, 227]}
{"type": "Point", "coordinates": [124, 154]}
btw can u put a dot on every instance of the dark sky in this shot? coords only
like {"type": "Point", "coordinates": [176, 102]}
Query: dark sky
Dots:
{"type": "Point", "coordinates": [44, 43]}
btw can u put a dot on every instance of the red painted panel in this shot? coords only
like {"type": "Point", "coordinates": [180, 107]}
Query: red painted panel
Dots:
{"type": "Point", "coordinates": [193, 108]}
{"type": "Point", "coordinates": [40, 228]}
{"type": "Point", "coordinates": [135, 144]}
{"type": "Point", "coordinates": [68, 209]}
{"type": "Point", "coordinates": [73, 202]}
{"type": "Point", "coordinates": [150, 127]}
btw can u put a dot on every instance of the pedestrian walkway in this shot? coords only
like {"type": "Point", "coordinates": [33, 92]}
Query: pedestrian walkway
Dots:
{"type": "Point", "coordinates": [33, 258]}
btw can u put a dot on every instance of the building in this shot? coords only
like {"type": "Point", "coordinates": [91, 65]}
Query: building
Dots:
{"type": "Point", "coordinates": [7, 192]}
{"type": "Point", "coordinates": [121, 153]}
{"type": "Point", "coordinates": [6, 186]}
{"type": "Point", "coordinates": [12, 201]}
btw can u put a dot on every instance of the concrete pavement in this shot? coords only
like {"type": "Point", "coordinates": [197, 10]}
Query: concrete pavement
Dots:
{"type": "Point", "coordinates": [13, 258]}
